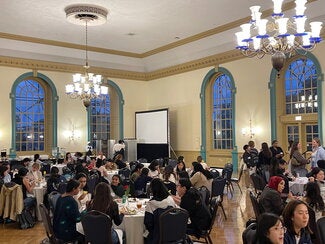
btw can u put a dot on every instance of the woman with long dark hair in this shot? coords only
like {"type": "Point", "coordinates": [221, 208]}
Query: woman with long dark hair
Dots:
{"type": "Point", "coordinates": [264, 157]}
{"type": "Point", "coordinates": [314, 199]}
{"type": "Point", "coordinates": [103, 202]}
{"type": "Point", "coordinates": [160, 202]}
{"type": "Point", "coordinates": [201, 177]}
{"type": "Point", "coordinates": [270, 229]}
{"type": "Point", "coordinates": [296, 219]}
{"type": "Point", "coordinates": [297, 161]}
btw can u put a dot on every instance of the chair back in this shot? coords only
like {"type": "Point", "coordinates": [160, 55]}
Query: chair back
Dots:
{"type": "Point", "coordinates": [218, 186]}
{"type": "Point", "coordinates": [213, 210]}
{"type": "Point", "coordinates": [47, 223]}
{"type": "Point", "coordinates": [172, 162]}
{"type": "Point", "coordinates": [321, 229]}
{"type": "Point", "coordinates": [53, 198]}
{"type": "Point", "coordinates": [258, 182]}
{"type": "Point", "coordinates": [97, 227]}
{"type": "Point", "coordinates": [92, 182]}
{"type": "Point", "coordinates": [255, 204]}
{"type": "Point", "coordinates": [249, 234]}
{"type": "Point", "coordinates": [173, 226]}
{"type": "Point", "coordinates": [62, 187]}
{"type": "Point", "coordinates": [214, 172]}
{"type": "Point", "coordinates": [227, 171]}
{"type": "Point", "coordinates": [205, 195]}
{"type": "Point", "coordinates": [171, 186]}
{"type": "Point", "coordinates": [124, 173]}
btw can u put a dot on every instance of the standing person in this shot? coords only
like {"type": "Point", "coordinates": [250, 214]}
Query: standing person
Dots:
{"type": "Point", "coordinates": [270, 229]}
{"type": "Point", "coordinates": [103, 202]}
{"type": "Point", "coordinates": [264, 160]}
{"type": "Point", "coordinates": [277, 151]}
{"type": "Point", "coordinates": [296, 219]}
{"type": "Point", "coordinates": [318, 152]}
{"type": "Point", "coordinates": [298, 162]}
{"type": "Point", "coordinates": [67, 214]}
{"type": "Point", "coordinates": [253, 150]}
{"type": "Point", "coordinates": [119, 148]}
{"type": "Point", "coordinates": [160, 202]}
{"type": "Point", "coordinates": [190, 199]}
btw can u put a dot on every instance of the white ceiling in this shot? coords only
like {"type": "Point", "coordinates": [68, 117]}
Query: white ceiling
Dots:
{"type": "Point", "coordinates": [154, 24]}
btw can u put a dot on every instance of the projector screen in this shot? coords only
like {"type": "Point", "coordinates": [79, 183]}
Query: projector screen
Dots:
{"type": "Point", "coordinates": [152, 127]}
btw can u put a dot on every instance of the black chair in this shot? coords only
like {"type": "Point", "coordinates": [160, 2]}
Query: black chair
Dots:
{"type": "Point", "coordinates": [237, 180]}
{"type": "Point", "coordinates": [249, 234]}
{"type": "Point", "coordinates": [47, 223]}
{"type": "Point", "coordinates": [321, 164]}
{"type": "Point", "coordinates": [214, 172]}
{"type": "Point", "coordinates": [53, 198]}
{"type": "Point", "coordinates": [97, 227]}
{"type": "Point", "coordinates": [62, 187]}
{"type": "Point", "coordinates": [124, 173]}
{"type": "Point", "coordinates": [173, 226]}
{"type": "Point", "coordinates": [172, 162]}
{"type": "Point", "coordinates": [205, 195]}
{"type": "Point", "coordinates": [258, 183]}
{"type": "Point", "coordinates": [206, 233]}
{"type": "Point", "coordinates": [255, 204]}
{"type": "Point", "coordinates": [171, 186]}
{"type": "Point", "coordinates": [227, 174]}
{"type": "Point", "coordinates": [92, 182]}
{"type": "Point", "coordinates": [321, 228]}
{"type": "Point", "coordinates": [218, 187]}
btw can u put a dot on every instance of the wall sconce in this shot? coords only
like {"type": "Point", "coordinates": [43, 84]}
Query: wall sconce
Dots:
{"type": "Point", "coordinates": [249, 131]}
{"type": "Point", "coordinates": [74, 134]}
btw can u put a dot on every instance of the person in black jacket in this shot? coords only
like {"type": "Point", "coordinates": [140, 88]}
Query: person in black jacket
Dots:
{"type": "Point", "coordinates": [103, 202]}
{"type": "Point", "coordinates": [189, 198]}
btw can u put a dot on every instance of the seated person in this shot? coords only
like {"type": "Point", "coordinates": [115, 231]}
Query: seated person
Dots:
{"type": "Point", "coordinates": [136, 172]}
{"type": "Point", "coordinates": [35, 174]}
{"type": "Point", "coordinates": [270, 198]}
{"type": "Point", "coordinates": [82, 197]}
{"type": "Point", "coordinates": [201, 177]}
{"type": "Point", "coordinates": [117, 186]}
{"type": "Point", "coordinates": [81, 167]}
{"type": "Point", "coordinates": [160, 202]}
{"type": "Point", "coordinates": [27, 187]}
{"type": "Point", "coordinates": [314, 199]}
{"type": "Point", "coordinates": [140, 184]}
{"type": "Point", "coordinates": [154, 169]}
{"type": "Point", "coordinates": [270, 229]}
{"type": "Point", "coordinates": [4, 173]}
{"type": "Point", "coordinates": [119, 161]}
{"type": "Point", "coordinates": [67, 214]}
{"type": "Point", "coordinates": [316, 174]}
{"type": "Point", "coordinates": [190, 199]}
{"type": "Point", "coordinates": [104, 203]}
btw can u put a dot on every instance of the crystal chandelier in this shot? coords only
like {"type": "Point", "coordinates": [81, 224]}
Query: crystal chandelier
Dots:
{"type": "Point", "coordinates": [88, 85]}
{"type": "Point", "coordinates": [280, 37]}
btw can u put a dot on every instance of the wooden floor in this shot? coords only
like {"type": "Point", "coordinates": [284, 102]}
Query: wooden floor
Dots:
{"type": "Point", "coordinates": [224, 231]}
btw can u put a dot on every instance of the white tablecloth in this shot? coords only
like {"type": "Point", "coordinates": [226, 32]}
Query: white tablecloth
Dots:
{"type": "Point", "coordinates": [297, 186]}
{"type": "Point", "coordinates": [39, 192]}
{"type": "Point", "coordinates": [133, 224]}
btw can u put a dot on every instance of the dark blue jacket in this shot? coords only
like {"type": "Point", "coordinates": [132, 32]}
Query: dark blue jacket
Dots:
{"type": "Point", "coordinates": [289, 237]}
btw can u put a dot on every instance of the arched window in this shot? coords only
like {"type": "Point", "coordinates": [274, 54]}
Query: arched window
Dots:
{"type": "Point", "coordinates": [222, 112]}
{"type": "Point", "coordinates": [296, 102]}
{"type": "Point", "coordinates": [105, 118]}
{"type": "Point", "coordinates": [218, 117]}
{"type": "Point", "coordinates": [100, 111]}
{"type": "Point", "coordinates": [34, 115]}
{"type": "Point", "coordinates": [30, 116]}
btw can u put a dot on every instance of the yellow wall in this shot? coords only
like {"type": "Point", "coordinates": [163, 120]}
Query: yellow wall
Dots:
{"type": "Point", "coordinates": [180, 93]}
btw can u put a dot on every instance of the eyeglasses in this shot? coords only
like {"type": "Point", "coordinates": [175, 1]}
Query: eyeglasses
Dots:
{"type": "Point", "coordinates": [282, 228]}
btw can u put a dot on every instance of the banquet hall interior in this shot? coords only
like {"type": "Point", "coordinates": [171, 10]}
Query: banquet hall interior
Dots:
{"type": "Point", "coordinates": [184, 58]}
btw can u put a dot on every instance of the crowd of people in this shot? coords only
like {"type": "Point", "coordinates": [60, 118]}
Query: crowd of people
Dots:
{"type": "Point", "coordinates": [287, 217]}
{"type": "Point", "coordinates": [166, 186]}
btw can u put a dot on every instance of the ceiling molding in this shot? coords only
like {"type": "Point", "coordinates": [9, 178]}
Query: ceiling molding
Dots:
{"type": "Point", "coordinates": [211, 32]}
{"type": "Point", "coordinates": [122, 74]}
